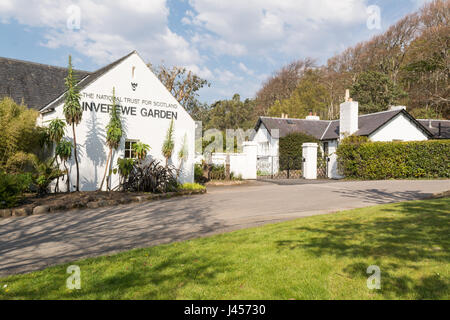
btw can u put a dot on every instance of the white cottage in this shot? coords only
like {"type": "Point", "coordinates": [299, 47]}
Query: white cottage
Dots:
{"type": "Point", "coordinates": [147, 108]}
{"type": "Point", "coordinates": [395, 124]}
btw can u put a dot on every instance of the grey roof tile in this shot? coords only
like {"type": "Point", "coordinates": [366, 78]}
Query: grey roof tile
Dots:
{"type": "Point", "coordinates": [33, 83]}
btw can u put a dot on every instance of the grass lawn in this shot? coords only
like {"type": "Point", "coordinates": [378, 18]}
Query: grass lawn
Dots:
{"type": "Point", "coordinates": [321, 257]}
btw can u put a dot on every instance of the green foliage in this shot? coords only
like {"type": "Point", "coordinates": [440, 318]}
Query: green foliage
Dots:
{"type": "Point", "coordinates": [394, 160]}
{"type": "Point", "coordinates": [192, 187]}
{"type": "Point", "coordinates": [375, 91]}
{"type": "Point", "coordinates": [56, 130]}
{"type": "Point", "coordinates": [21, 162]}
{"type": "Point", "coordinates": [72, 107]}
{"type": "Point", "coordinates": [231, 114]}
{"type": "Point", "coordinates": [309, 96]}
{"type": "Point", "coordinates": [141, 149]}
{"type": "Point", "coordinates": [198, 173]}
{"type": "Point", "coordinates": [114, 128]}
{"type": "Point", "coordinates": [124, 166]}
{"type": "Point", "coordinates": [19, 133]}
{"type": "Point", "coordinates": [63, 150]}
{"type": "Point", "coordinates": [291, 151]}
{"type": "Point", "coordinates": [169, 144]}
{"type": "Point", "coordinates": [11, 188]}
{"type": "Point", "coordinates": [47, 171]}
{"type": "Point", "coordinates": [73, 111]}
{"type": "Point", "coordinates": [217, 172]}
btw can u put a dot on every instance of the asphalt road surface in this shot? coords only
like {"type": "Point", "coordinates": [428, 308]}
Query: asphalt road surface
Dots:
{"type": "Point", "coordinates": [35, 242]}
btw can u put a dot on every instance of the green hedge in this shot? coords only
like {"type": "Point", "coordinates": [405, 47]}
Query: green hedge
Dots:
{"type": "Point", "coordinates": [12, 186]}
{"type": "Point", "coordinates": [393, 160]}
{"type": "Point", "coordinates": [291, 151]}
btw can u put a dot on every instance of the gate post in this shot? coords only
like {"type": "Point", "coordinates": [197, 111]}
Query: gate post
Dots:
{"type": "Point", "coordinates": [310, 160]}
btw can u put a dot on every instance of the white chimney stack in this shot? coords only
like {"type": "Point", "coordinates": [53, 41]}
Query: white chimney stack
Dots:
{"type": "Point", "coordinates": [348, 121]}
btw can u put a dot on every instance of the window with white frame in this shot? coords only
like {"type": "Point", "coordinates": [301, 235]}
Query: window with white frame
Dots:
{"type": "Point", "coordinates": [129, 150]}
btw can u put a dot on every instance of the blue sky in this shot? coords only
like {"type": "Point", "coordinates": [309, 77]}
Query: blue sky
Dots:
{"type": "Point", "coordinates": [235, 44]}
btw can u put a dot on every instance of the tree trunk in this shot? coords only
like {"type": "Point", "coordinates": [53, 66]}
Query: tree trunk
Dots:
{"type": "Point", "coordinates": [57, 179]}
{"type": "Point", "coordinates": [106, 169]}
{"type": "Point", "coordinates": [76, 157]}
{"type": "Point", "coordinates": [68, 177]}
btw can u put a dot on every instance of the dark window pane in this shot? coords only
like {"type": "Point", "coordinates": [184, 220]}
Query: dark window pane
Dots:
{"type": "Point", "coordinates": [127, 145]}
{"type": "Point", "coordinates": [127, 154]}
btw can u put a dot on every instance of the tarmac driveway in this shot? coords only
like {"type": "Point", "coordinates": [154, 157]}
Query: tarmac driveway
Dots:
{"type": "Point", "coordinates": [35, 242]}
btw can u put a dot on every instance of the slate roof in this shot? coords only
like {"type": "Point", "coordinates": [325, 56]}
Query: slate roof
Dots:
{"type": "Point", "coordinates": [33, 83]}
{"type": "Point", "coordinates": [434, 129]}
{"type": "Point", "coordinates": [40, 85]}
{"type": "Point", "coordinates": [329, 129]}
{"type": "Point", "coordinates": [86, 81]}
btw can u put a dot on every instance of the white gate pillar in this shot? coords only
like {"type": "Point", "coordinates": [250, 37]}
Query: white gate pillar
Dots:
{"type": "Point", "coordinates": [250, 149]}
{"type": "Point", "coordinates": [310, 160]}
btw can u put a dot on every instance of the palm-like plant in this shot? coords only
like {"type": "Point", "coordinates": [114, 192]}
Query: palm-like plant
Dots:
{"type": "Point", "coordinates": [141, 150]}
{"type": "Point", "coordinates": [55, 132]}
{"type": "Point", "coordinates": [182, 155]}
{"type": "Point", "coordinates": [64, 152]}
{"type": "Point", "coordinates": [168, 145]}
{"type": "Point", "coordinates": [73, 111]}
{"type": "Point", "coordinates": [113, 134]}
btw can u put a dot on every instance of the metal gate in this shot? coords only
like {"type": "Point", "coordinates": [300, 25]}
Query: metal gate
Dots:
{"type": "Point", "coordinates": [275, 167]}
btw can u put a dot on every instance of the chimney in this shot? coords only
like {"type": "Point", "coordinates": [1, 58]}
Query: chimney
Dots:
{"type": "Point", "coordinates": [395, 108]}
{"type": "Point", "coordinates": [348, 121]}
{"type": "Point", "coordinates": [312, 117]}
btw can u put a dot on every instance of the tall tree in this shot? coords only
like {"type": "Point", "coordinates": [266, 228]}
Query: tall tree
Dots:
{"type": "Point", "coordinates": [113, 133]}
{"type": "Point", "coordinates": [73, 111]}
{"type": "Point", "coordinates": [281, 84]}
{"type": "Point", "coordinates": [183, 84]}
{"type": "Point", "coordinates": [169, 144]}
{"type": "Point", "coordinates": [64, 151]}
{"type": "Point", "coordinates": [375, 91]}
{"type": "Point", "coordinates": [309, 96]}
{"type": "Point", "coordinates": [182, 154]}
{"type": "Point", "coordinates": [231, 114]}
{"type": "Point", "coordinates": [56, 131]}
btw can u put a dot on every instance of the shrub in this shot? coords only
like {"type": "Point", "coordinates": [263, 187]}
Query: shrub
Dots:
{"type": "Point", "coordinates": [12, 187]}
{"type": "Point", "coordinates": [198, 173]}
{"type": "Point", "coordinates": [151, 177]}
{"type": "Point", "coordinates": [291, 151]}
{"type": "Point", "coordinates": [192, 187]}
{"type": "Point", "coordinates": [217, 172]}
{"type": "Point", "coordinates": [358, 158]}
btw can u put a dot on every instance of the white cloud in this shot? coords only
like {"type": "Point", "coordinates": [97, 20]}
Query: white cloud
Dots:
{"type": "Point", "coordinates": [109, 29]}
{"type": "Point", "coordinates": [261, 26]}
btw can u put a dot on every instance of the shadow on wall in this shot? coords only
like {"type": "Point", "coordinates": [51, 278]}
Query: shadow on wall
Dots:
{"type": "Point", "coordinates": [397, 245]}
{"type": "Point", "coordinates": [96, 152]}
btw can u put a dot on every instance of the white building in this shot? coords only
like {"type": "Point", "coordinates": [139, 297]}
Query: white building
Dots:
{"type": "Point", "coordinates": [147, 108]}
{"type": "Point", "coordinates": [395, 124]}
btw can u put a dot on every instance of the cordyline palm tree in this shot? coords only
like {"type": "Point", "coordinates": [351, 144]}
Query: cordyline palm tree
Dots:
{"type": "Point", "coordinates": [141, 149]}
{"type": "Point", "coordinates": [113, 134]}
{"type": "Point", "coordinates": [73, 111]}
{"type": "Point", "coordinates": [55, 132]}
{"type": "Point", "coordinates": [168, 145]}
{"type": "Point", "coordinates": [64, 152]}
{"type": "Point", "coordinates": [182, 154]}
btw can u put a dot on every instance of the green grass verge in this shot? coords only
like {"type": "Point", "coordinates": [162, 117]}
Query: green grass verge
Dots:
{"type": "Point", "coordinates": [321, 257]}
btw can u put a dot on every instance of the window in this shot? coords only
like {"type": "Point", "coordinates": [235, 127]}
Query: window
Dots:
{"type": "Point", "coordinates": [129, 151]}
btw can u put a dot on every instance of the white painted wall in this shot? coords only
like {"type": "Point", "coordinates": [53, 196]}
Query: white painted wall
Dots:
{"type": "Point", "coordinates": [241, 164]}
{"type": "Point", "coordinates": [150, 93]}
{"type": "Point", "coordinates": [348, 118]}
{"type": "Point", "coordinates": [267, 148]}
{"type": "Point", "coordinates": [309, 153]}
{"type": "Point", "coordinates": [400, 128]}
